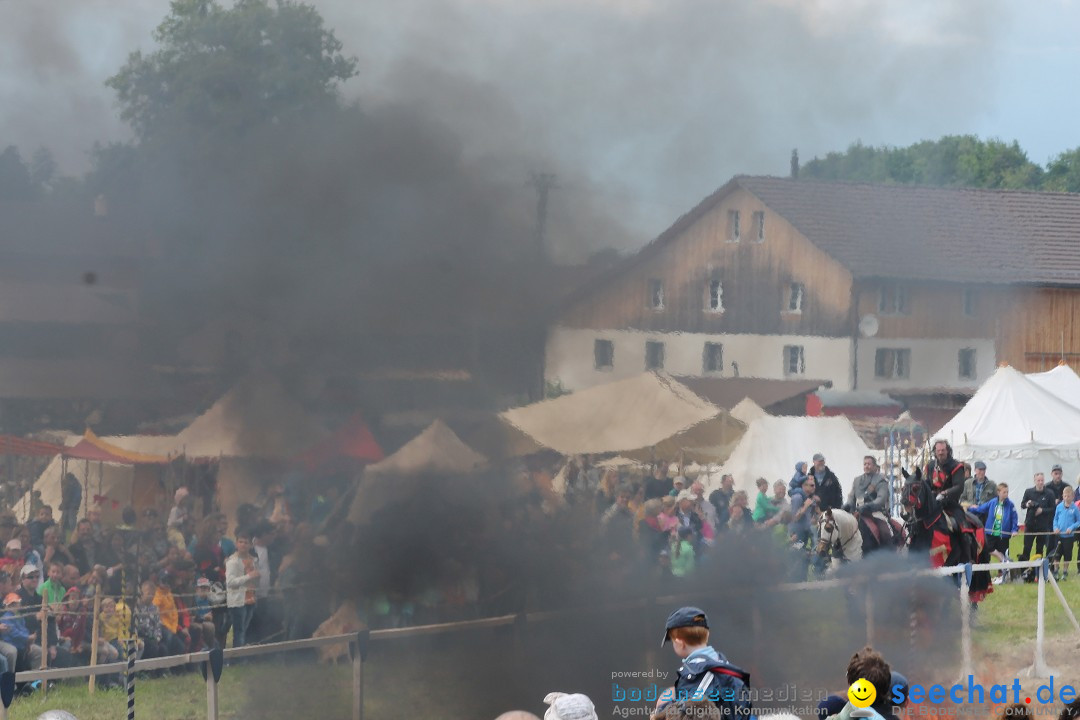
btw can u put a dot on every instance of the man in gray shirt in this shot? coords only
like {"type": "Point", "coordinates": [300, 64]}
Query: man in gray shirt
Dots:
{"type": "Point", "coordinates": [869, 497]}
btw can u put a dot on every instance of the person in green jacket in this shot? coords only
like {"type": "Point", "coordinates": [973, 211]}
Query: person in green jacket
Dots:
{"type": "Point", "coordinates": [682, 553]}
{"type": "Point", "coordinates": [764, 507]}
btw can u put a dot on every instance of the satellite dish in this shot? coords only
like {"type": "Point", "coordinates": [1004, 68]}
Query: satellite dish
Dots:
{"type": "Point", "coordinates": [868, 326]}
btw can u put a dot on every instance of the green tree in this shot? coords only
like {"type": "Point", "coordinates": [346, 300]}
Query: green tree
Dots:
{"type": "Point", "coordinates": [1063, 172]}
{"type": "Point", "coordinates": [953, 160]}
{"type": "Point", "coordinates": [221, 70]}
{"type": "Point", "coordinates": [15, 180]}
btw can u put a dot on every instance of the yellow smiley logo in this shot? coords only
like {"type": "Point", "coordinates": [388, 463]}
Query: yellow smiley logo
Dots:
{"type": "Point", "coordinates": [862, 693]}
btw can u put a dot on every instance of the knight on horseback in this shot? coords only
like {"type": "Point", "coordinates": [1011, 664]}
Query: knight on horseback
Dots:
{"type": "Point", "coordinates": [869, 500]}
{"type": "Point", "coordinates": [946, 476]}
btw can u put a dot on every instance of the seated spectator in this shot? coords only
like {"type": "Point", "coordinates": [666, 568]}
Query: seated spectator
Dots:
{"type": "Point", "coordinates": [71, 625]}
{"type": "Point", "coordinates": [867, 664]}
{"type": "Point", "coordinates": [741, 519]}
{"type": "Point", "coordinates": [13, 558]}
{"type": "Point", "coordinates": [86, 550]}
{"type": "Point", "coordinates": [13, 631]}
{"type": "Point", "coordinates": [53, 589]}
{"type": "Point", "coordinates": [202, 615]}
{"type": "Point", "coordinates": [148, 622]}
{"type": "Point", "coordinates": [53, 550]}
{"type": "Point", "coordinates": [115, 627]}
{"type": "Point", "coordinates": [174, 639]}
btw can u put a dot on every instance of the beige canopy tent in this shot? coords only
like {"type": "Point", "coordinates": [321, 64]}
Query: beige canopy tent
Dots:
{"type": "Point", "coordinates": [255, 419]}
{"type": "Point", "coordinates": [644, 417]}
{"type": "Point", "coordinates": [435, 453]}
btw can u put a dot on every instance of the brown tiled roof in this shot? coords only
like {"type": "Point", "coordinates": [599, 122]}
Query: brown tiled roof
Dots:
{"type": "Point", "coordinates": [928, 233]}
{"type": "Point", "coordinates": [727, 392]}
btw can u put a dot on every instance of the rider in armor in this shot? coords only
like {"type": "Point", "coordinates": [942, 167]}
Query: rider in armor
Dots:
{"type": "Point", "coordinates": [869, 497]}
{"type": "Point", "coordinates": [946, 476]}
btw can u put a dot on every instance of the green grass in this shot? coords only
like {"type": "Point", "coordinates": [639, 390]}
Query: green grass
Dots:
{"type": "Point", "coordinates": [1009, 614]}
{"type": "Point", "coordinates": [269, 690]}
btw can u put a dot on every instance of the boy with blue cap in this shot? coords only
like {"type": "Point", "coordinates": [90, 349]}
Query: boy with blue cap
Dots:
{"type": "Point", "coordinates": [705, 676]}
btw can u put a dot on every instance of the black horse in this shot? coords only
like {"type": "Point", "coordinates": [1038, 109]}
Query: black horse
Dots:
{"type": "Point", "coordinates": [950, 538]}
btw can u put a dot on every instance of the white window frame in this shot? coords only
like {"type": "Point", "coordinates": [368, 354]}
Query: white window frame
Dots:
{"type": "Point", "coordinates": [759, 226]}
{"type": "Point", "coordinates": [893, 372]}
{"type": "Point", "coordinates": [891, 297]}
{"type": "Point", "coordinates": [719, 295]}
{"type": "Point", "coordinates": [801, 295]}
{"type": "Point", "coordinates": [734, 231]}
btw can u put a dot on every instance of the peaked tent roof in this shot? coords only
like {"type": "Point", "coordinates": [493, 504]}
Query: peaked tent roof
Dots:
{"type": "Point", "coordinates": [437, 450]}
{"type": "Point", "coordinates": [353, 441]}
{"type": "Point", "coordinates": [772, 445]}
{"type": "Point", "coordinates": [646, 414]}
{"type": "Point", "coordinates": [1011, 411]}
{"type": "Point", "coordinates": [1062, 382]}
{"type": "Point", "coordinates": [747, 411]}
{"type": "Point", "coordinates": [256, 419]}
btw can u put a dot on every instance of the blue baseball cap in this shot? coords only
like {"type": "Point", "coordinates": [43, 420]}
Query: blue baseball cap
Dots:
{"type": "Point", "coordinates": [685, 617]}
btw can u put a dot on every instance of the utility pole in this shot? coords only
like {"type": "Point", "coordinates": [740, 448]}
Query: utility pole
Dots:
{"type": "Point", "coordinates": [544, 184]}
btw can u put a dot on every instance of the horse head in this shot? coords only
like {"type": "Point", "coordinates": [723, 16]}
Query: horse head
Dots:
{"type": "Point", "coordinates": [826, 528]}
{"type": "Point", "coordinates": [918, 496]}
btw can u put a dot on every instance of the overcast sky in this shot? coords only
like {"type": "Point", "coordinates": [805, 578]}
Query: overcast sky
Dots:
{"type": "Point", "coordinates": [650, 104]}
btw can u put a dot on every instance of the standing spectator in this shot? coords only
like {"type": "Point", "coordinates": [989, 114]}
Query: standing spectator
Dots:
{"type": "Point", "coordinates": [741, 519]}
{"type": "Point", "coordinates": [1039, 504]}
{"type": "Point", "coordinates": [1057, 483]}
{"type": "Point", "coordinates": [85, 549]}
{"type": "Point", "coordinates": [797, 479]}
{"type": "Point", "coordinates": [681, 553]}
{"type": "Point", "coordinates": [651, 534]}
{"type": "Point", "coordinates": [71, 493]}
{"type": "Point", "coordinates": [173, 638]}
{"type": "Point", "coordinates": [1066, 522]}
{"type": "Point", "coordinates": [978, 488]}
{"type": "Point", "coordinates": [241, 580]}
{"type": "Point", "coordinates": [764, 507]}
{"type": "Point", "coordinates": [178, 513]}
{"type": "Point", "coordinates": [828, 485]}
{"type": "Point", "coordinates": [658, 484]}
{"type": "Point", "coordinates": [202, 614]}
{"type": "Point", "coordinates": [265, 621]}
{"type": "Point", "coordinates": [721, 500]}
{"type": "Point", "coordinates": [42, 522]}
{"type": "Point", "coordinates": [704, 506]}
{"type": "Point", "coordinates": [1001, 524]}
{"type": "Point", "coordinates": [53, 590]}
{"type": "Point", "coordinates": [207, 553]}
{"type": "Point", "coordinates": [804, 507]}
{"type": "Point", "coordinates": [605, 494]}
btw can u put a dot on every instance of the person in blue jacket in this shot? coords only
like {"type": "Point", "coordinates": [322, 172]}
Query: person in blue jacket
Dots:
{"type": "Point", "coordinates": [1066, 522]}
{"type": "Point", "coordinates": [1001, 523]}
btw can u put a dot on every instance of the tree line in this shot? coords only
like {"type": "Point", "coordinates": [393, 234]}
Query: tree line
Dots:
{"type": "Point", "coordinates": [951, 161]}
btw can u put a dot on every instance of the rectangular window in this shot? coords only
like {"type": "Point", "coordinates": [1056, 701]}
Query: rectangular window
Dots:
{"type": "Point", "coordinates": [604, 354]}
{"type": "Point", "coordinates": [795, 298]}
{"type": "Point", "coordinates": [759, 226]}
{"type": "Point", "coordinates": [654, 355]}
{"type": "Point", "coordinates": [890, 363]}
{"type": "Point", "coordinates": [714, 299]}
{"type": "Point", "coordinates": [714, 358]}
{"type": "Point", "coordinates": [967, 364]}
{"type": "Point", "coordinates": [970, 308]}
{"type": "Point", "coordinates": [893, 300]}
{"type": "Point", "coordinates": [656, 294]}
{"type": "Point", "coordinates": [794, 362]}
{"type": "Point", "coordinates": [733, 225]}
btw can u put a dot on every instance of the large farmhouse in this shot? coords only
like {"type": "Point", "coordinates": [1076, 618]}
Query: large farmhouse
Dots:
{"type": "Point", "coordinates": [914, 291]}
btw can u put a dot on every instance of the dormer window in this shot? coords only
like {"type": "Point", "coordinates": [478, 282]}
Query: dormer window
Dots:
{"type": "Point", "coordinates": [795, 297]}
{"type": "Point", "coordinates": [656, 294]}
{"type": "Point", "coordinates": [714, 296]}
{"type": "Point", "coordinates": [759, 226]}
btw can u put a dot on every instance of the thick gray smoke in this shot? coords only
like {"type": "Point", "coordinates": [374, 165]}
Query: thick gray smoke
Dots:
{"type": "Point", "coordinates": [642, 106]}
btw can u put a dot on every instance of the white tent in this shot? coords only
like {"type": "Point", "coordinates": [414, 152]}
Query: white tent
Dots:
{"type": "Point", "coordinates": [747, 411]}
{"type": "Point", "coordinates": [1062, 381]}
{"type": "Point", "coordinates": [1017, 428]}
{"type": "Point", "coordinates": [772, 445]}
